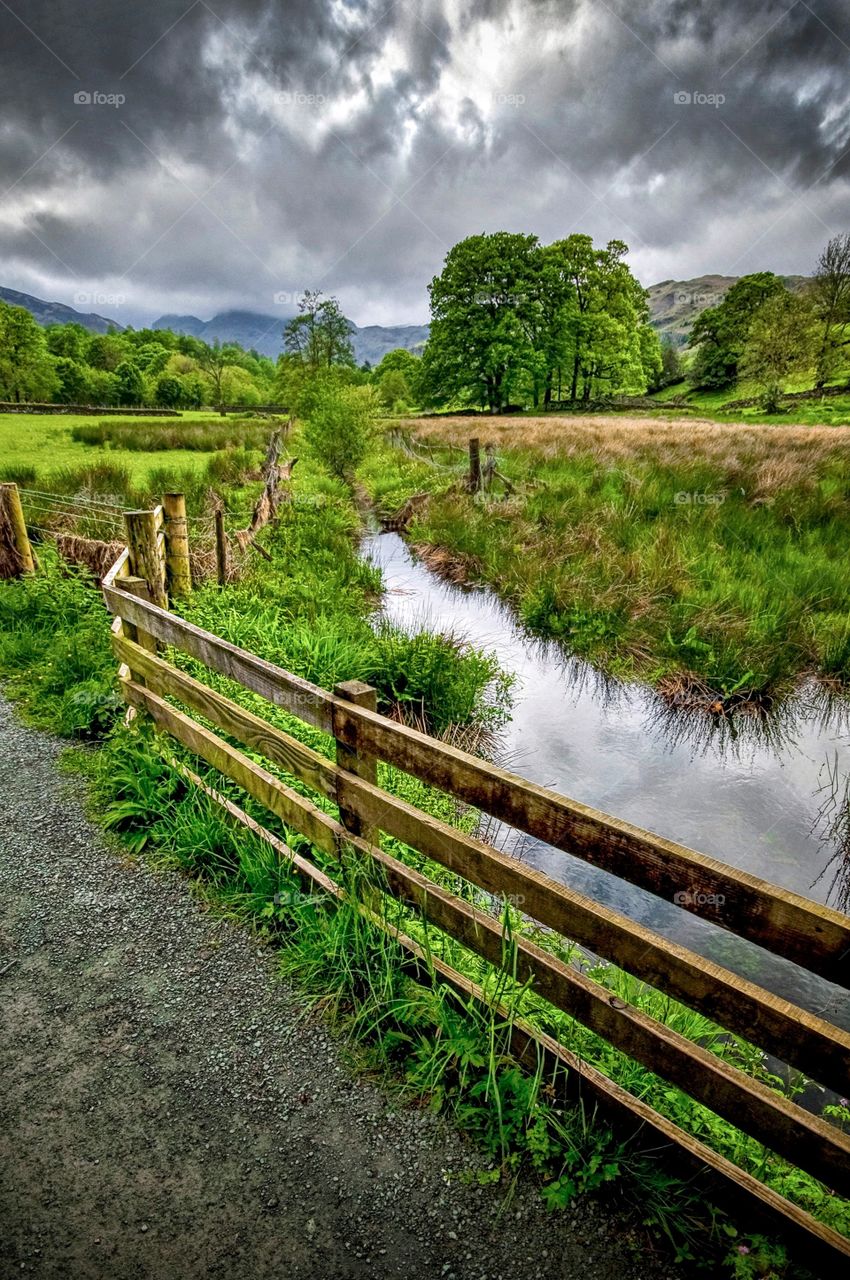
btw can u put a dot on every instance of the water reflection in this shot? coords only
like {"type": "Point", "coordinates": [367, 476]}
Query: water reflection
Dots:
{"type": "Point", "coordinates": [745, 789]}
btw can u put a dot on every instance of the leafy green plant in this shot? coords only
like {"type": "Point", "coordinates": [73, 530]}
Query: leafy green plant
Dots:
{"type": "Point", "coordinates": [340, 427]}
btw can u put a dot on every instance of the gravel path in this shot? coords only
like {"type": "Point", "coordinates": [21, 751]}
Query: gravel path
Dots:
{"type": "Point", "coordinates": [169, 1109]}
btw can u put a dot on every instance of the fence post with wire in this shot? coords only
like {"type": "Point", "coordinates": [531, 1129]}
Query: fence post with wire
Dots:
{"type": "Point", "coordinates": [169, 551]}
{"type": "Point", "coordinates": [16, 556]}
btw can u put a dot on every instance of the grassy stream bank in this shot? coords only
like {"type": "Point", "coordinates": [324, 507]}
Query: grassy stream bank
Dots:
{"type": "Point", "coordinates": [706, 559]}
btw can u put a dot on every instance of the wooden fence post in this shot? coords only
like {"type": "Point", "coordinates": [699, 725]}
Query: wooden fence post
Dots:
{"type": "Point", "coordinates": [147, 579]}
{"type": "Point", "coordinates": [220, 547]}
{"type": "Point", "coordinates": [354, 760]}
{"type": "Point", "coordinates": [474, 464]}
{"type": "Point", "coordinates": [177, 544]}
{"type": "Point", "coordinates": [10, 503]}
{"type": "Point", "coordinates": [137, 587]}
{"type": "Point", "coordinates": [146, 560]}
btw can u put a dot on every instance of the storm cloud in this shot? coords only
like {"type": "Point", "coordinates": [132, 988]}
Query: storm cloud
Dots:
{"type": "Point", "coordinates": [178, 156]}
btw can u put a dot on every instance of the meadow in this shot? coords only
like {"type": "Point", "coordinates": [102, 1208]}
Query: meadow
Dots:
{"type": "Point", "coordinates": [51, 442]}
{"type": "Point", "coordinates": [704, 557]}
{"type": "Point", "coordinates": [831, 410]}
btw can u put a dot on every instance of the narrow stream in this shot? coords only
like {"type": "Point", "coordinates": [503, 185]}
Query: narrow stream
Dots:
{"type": "Point", "coordinates": [747, 796]}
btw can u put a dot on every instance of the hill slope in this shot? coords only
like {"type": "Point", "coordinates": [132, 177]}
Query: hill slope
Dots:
{"type": "Point", "coordinates": [56, 312]}
{"type": "Point", "coordinates": [675, 304]}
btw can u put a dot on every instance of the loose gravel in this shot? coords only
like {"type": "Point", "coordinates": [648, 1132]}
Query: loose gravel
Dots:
{"type": "Point", "coordinates": [169, 1108]}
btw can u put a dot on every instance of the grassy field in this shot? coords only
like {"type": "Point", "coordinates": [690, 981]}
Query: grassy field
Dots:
{"type": "Point", "coordinates": [829, 411]}
{"type": "Point", "coordinates": [44, 441]}
{"type": "Point", "coordinates": [704, 557]}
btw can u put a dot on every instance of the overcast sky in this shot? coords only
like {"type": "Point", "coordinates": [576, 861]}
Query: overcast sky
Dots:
{"type": "Point", "coordinates": [247, 149]}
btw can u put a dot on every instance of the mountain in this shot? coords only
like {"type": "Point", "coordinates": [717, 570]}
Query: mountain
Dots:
{"type": "Point", "coordinates": [57, 313]}
{"type": "Point", "coordinates": [265, 333]}
{"type": "Point", "coordinates": [373, 341]}
{"type": "Point", "coordinates": [675, 304]}
{"type": "Point", "coordinates": [250, 329]}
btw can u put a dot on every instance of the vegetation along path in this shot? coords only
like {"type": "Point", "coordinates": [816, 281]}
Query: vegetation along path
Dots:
{"type": "Point", "coordinates": [170, 1109]}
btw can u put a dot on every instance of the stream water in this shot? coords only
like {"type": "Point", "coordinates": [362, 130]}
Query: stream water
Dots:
{"type": "Point", "coordinates": [746, 793]}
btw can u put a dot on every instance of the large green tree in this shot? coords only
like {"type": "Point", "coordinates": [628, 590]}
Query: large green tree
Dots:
{"type": "Point", "coordinates": [720, 333]}
{"type": "Point", "coordinates": [516, 320]}
{"type": "Point", "coordinates": [130, 383]}
{"type": "Point", "coordinates": [831, 299]}
{"type": "Point", "coordinates": [782, 341]}
{"type": "Point", "coordinates": [215, 361]}
{"type": "Point", "coordinates": [483, 315]}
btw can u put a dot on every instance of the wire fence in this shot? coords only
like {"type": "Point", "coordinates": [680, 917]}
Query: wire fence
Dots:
{"type": "Point", "coordinates": [86, 528]}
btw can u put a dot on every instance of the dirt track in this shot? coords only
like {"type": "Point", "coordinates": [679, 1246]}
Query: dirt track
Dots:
{"type": "Point", "coordinates": [168, 1109]}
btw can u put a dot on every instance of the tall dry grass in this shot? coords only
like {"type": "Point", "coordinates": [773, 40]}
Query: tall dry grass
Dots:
{"type": "Point", "coordinates": [781, 455]}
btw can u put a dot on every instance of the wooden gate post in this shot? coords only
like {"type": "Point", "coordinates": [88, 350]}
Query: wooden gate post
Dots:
{"type": "Point", "coordinates": [146, 560]}
{"type": "Point", "coordinates": [356, 761]}
{"type": "Point", "coordinates": [177, 544]}
{"type": "Point", "coordinates": [10, 502]}
{"type": "Point", "coordinates": [474, 464]}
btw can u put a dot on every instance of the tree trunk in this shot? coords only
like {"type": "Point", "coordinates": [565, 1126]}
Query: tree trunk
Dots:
{"type": "Point", "coordinates": [574, 387]}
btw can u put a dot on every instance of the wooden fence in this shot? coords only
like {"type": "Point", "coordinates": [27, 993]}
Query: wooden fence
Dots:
{"type": "Point", "coordinates": [812, 936]}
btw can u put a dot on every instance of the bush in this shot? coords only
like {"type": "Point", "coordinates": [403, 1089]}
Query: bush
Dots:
{"type": "Point", "coordinates": [233, 467]}
{"type": "Point", "coordinates": [340, 428]}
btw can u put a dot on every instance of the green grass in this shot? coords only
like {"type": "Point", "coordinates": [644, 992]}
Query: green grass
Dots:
{"type": "Point", "coordinates": [172, 435]}
{"type": "Point", "coordinates": [708, 561]}
{"type": "Point", "coordinates": [45, 442]}
{"type": "Point", "coordinates": [829, 411]}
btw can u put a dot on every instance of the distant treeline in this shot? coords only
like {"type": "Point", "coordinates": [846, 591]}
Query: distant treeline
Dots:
{"type": "Point", "coordinates": [66, 364]}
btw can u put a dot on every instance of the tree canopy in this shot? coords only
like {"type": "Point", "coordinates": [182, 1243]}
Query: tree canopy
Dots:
{"type": "Point", "coordinates": [69, 364]}
{"type": "Point", "coordinates": [319, 335]}
{"type": "Point", "coordinates": [720, 333]}
{"type": "Point", "coordinates": [516, 321]}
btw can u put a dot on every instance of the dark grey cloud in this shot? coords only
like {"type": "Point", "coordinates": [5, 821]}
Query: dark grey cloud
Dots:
{"type": "Point", "coordinates": [264, 146]}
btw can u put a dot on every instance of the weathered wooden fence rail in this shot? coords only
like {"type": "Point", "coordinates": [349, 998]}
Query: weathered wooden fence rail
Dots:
{"type": "Point", "coordinates": [814, 937]}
